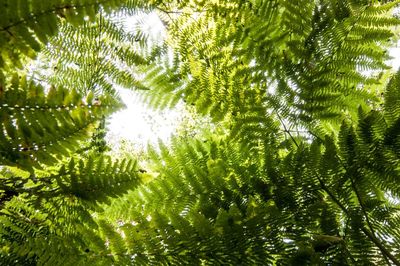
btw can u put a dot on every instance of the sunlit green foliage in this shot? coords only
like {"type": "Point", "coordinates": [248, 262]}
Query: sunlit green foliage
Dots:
{"type": "Point", "coordinates": [299, 166]}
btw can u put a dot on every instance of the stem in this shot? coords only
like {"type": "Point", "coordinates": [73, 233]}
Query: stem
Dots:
{"type": "Point", "coordinates": [385, 252]}
{"type": "Point", "coordinates": [353, 185]}
{"type": "Point", "coordinates": [382, 248]}
{"type": "Point", "coordinates": [285, 129]}
{"type": "Point", "coordinates": [370, 234]}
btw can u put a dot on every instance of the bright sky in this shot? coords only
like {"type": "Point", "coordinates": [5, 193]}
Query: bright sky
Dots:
{"type": "Point", "coordinates": [141, 125]}
{"type": "Point", "coordinates": [137, 123]}
{"type": "Point", "coordinates": [395, 53]}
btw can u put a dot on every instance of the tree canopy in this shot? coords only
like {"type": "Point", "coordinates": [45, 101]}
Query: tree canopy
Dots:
{"type": "Point", "coordinates": [300, 164]}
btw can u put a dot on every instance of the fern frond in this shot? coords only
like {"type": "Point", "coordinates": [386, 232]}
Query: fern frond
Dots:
{"type": "Point", "coordinates": [97, 179]}
{"type": "Point", "coordinates": [98, 55]}
{"type": "Point", "coordinates": [36, 125]}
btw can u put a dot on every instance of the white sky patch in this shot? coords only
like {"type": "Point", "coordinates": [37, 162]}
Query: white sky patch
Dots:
{"type": "Point", "coordinates": [394, 52]}
{"type": "Point", "coordinates": [137, 123]}
{"type": "Point", "coordinates": [141, 125]}
{"type": "Point", "coordinates": [148, 23]}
